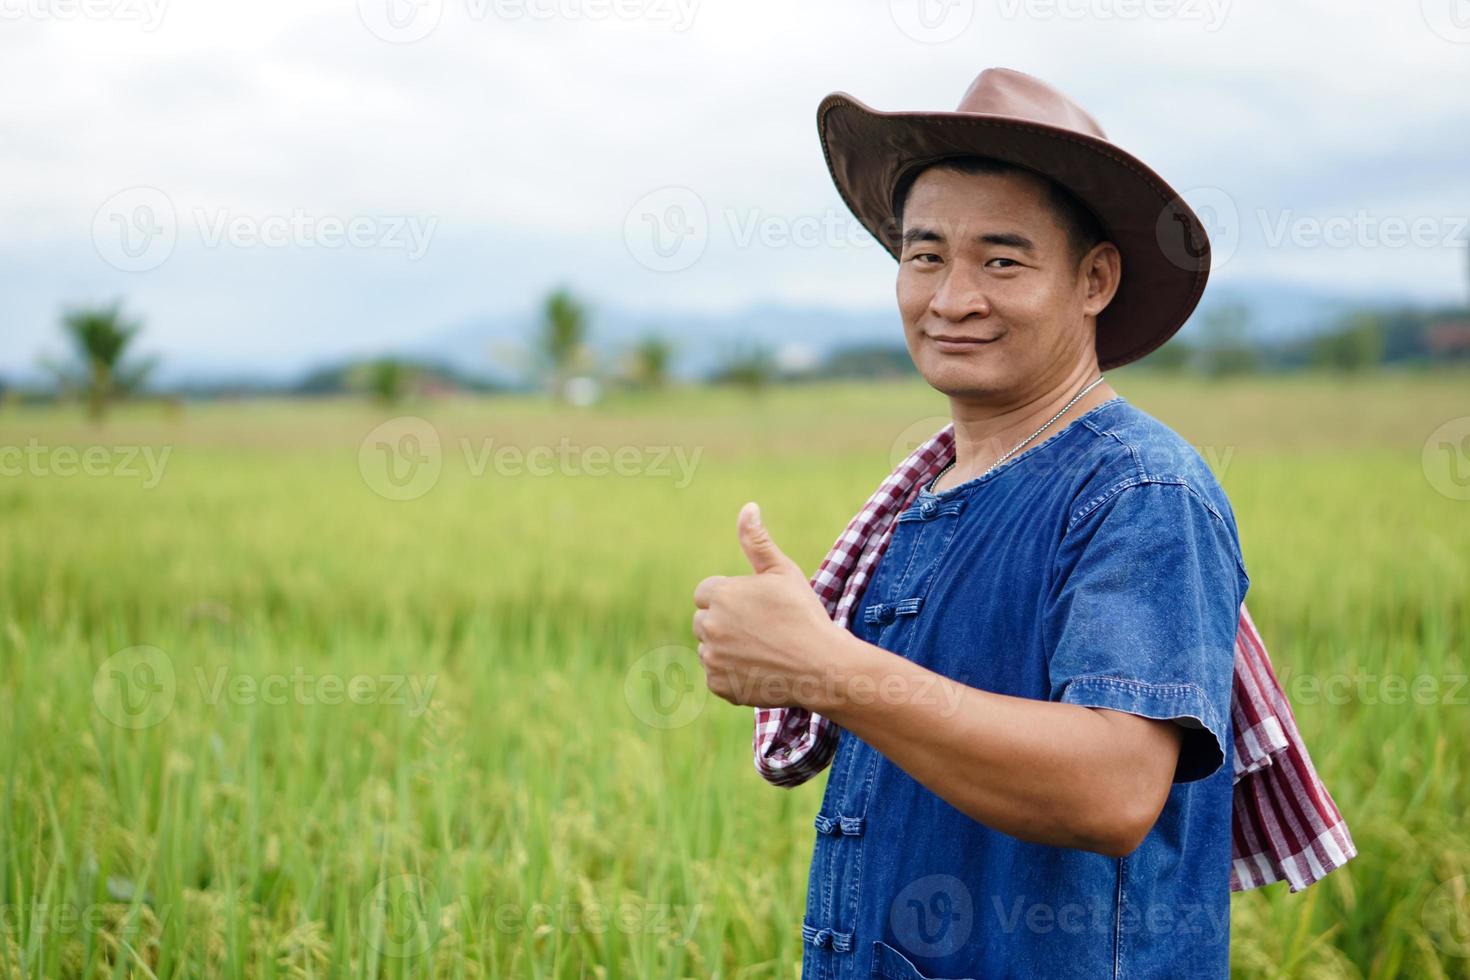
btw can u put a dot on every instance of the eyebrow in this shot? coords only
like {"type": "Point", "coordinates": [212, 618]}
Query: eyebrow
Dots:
{"type": "Point", "coordinates": [1012, 239]}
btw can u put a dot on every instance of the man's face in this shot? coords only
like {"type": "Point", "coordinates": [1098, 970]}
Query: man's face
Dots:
{"type": "Point", "coordinates": [983, 258]}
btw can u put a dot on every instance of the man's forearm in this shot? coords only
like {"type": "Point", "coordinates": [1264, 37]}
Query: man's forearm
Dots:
{"type": "Point", "coordinates": [1042, 771]}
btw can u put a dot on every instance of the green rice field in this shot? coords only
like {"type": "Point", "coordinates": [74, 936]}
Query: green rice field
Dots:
{"type": "Point", "coordinates": [318, 689]}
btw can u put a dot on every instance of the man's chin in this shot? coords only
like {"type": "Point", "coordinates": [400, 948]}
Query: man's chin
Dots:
{"type": "Point", "coordinates": [965, 380]}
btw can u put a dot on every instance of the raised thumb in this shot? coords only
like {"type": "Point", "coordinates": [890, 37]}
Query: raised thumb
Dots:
{"type": "Point", "coordinates": [756, 542]}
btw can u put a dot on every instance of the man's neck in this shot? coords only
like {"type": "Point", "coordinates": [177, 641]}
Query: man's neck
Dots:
{"type": "Point", "coordinates": [986, 432]}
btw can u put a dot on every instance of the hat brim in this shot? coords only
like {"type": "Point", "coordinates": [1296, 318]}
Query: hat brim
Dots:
{"type": "Point", "coordinates": [1165, 250]}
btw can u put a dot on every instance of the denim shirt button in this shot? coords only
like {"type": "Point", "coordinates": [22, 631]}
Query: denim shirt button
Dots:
{"type": "Point", "coordinates": [882, 613]}
{"type": "Point", "coordinates": [927, 509]}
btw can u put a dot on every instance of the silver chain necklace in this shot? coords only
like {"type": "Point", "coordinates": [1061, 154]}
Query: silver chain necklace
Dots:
{"type": "Point", "coordinates": [1048, 422]}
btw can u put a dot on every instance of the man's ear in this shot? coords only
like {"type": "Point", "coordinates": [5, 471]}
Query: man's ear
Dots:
{"type": "Point", "coordinates": [1102, 271]}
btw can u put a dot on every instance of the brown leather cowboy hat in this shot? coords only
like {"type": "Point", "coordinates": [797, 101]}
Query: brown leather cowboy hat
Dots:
{"type": "Point", "coordinates": [1020, 119]}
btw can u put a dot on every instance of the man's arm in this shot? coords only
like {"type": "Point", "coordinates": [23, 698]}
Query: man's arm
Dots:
{"type": "Point", "coordinates": [1042, 771]}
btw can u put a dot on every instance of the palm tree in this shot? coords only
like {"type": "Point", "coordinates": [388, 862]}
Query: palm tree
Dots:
{"type": "Point", "coordinates": [99, 338]}
{"type": "Point", "coordinates": [563, 336]}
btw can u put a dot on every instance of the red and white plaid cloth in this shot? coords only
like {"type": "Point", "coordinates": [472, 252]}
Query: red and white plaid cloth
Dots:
{"type": "Point", "coordinates": [1284, 825]}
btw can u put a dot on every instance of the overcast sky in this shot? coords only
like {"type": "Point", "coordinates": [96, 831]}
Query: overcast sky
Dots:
{"type": "Point", "coordinates": [278, 181]}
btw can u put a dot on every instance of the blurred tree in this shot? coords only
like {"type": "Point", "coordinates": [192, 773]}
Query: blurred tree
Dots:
{"type": "Point", "coordinates": [651, 358]}
{"type": "Point", "coordinates": [1173, 356]}
{"type": "Point", "coordinates": [99, 338]}
{"type": "Point", "coordinates": [387, 380]}
{"type": "Point", "coordinates": [748, 365]}
{"type": "Point", "coordinates": [1226, 343]}
{"type": "Point", "coordinates": [563, 337]}
{"type": "Point", "coordinates": [1355, 346]}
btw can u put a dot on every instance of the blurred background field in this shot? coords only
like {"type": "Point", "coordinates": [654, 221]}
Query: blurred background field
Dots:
{"type": "Point", "coordinates": [533, 783]}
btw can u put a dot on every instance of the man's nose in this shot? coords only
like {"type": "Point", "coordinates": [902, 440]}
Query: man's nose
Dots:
{"type": "Point", "coordinates": [958, 297]}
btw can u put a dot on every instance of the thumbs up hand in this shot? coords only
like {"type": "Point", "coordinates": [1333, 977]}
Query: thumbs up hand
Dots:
{"type": "Point", "coordinates": [762, 636]}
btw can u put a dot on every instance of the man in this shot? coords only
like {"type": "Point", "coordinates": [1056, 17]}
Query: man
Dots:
{"type": "Point", "coordinates": [1034, 774]}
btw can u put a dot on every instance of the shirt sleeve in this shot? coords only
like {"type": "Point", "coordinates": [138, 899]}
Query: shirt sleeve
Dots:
{"type": "Point", "coordinates": [1143, 612]}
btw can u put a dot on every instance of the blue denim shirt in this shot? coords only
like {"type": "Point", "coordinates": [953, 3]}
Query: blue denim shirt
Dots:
{"type": "Point", "coordinates": [1100, 567]}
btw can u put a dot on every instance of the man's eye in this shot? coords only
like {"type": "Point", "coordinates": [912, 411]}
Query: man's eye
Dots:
{"type": "Point", "coordinates": [1012, 262]}
{"type": "Point", "coordinates": [920, 257]}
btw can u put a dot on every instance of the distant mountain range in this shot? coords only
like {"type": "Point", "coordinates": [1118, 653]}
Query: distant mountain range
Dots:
{"type": "Point", "coordinates": [495, 347]}
{"type": "Point", "coordinates": [804, 334]}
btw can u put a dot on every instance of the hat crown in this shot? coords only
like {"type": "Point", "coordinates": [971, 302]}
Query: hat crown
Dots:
{"type": "Point", "coordinates": [1005, 92]}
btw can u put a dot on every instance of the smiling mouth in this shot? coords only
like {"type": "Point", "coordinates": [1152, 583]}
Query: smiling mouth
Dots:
{"type": "Point", "coordinates": [945, 342]}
